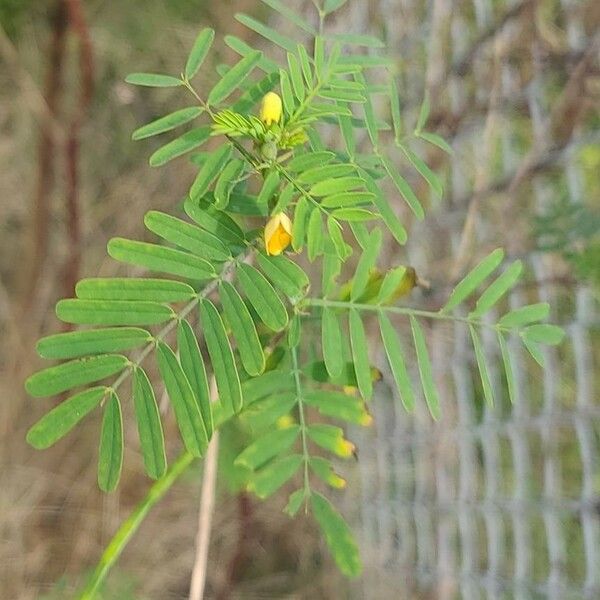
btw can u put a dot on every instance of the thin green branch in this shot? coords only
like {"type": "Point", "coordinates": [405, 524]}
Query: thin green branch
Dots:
{"type": "Point", "coordinates": [401, 310]}
{"type": "Point", "coordinates": [301, 417]}
{"type": "Point", "coordinates": [131, 524]}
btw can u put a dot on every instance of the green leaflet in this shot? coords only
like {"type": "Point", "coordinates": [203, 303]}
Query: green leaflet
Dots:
{"type": "Point", "coordinates": [134, 288]}
{"type": "Point", "coordinates": [267, 447]}
{"type": "Point", "coordinates": [110, 455]}
{"type": "Point", "coordinates": [263, 297]}
{"type": "Point", "coordinates": [269, 188]}
{"type": "Point", "coordinates": [361, 234]}
{"type": "Point", "coordinates": [423, 113]}
{"type": "Point", "coordinates": [345, 123]}
{"type": "Point", "coordinates": [356, 215]}
{"type": "Point", "coordinates": [221, 354]}
{"type": "Point", "coordinates": [60, 420]}
{"type": "Point", "coordinates": [167, 123]}
{"type": "Point", "coordinates": [243, 329]}
{"type": "Point", "coordinates": [215, 221]}
{"type": "Point", "coordinates": [332, 5]}
{"type": "Point", "coordinates": [226, 182]}
{"type": "Point", "coordinates": [314, 235]}
{"type": "Point", "coordinates": [328, 187]}
{"type": "Point", "coordinates": [543, 333]}
{"type": "Point", "coordinates": [338, 536]}
{"type": "Point", "coordinates": [323, 469]}
{"type": "Point", "coordinates": [331, 339]}
{"type": "Point", "coordinates": [474, 279]}
{"type": "Point", "coordinates": [404, 188]}
{"type": "Point", "coordinates": [534, 349]}
{"type": "Point", "coordinates": [436, 140]}
{"type": "Point", "coordinates": [342, 95]}
{"type": "Point", "coordinates": [524, 315]}
{"type": "Point", "coordinates": [395, 109]}
{"type": "Point", "coordinates": [360, 354]}
{"type": "Point", "coordinates": [187, 236]}
{"type": "Point", "coordinates": [187, 414]}
{"type": "Point", "coordinates": [267, 65]}
{"type": "Point", "coordinates": [290, 15]}
{"type": "Point", "coordinates": [508, 370]}
{"type": "Point", "coordinates": [287, 95]}
{"type": "Point", "coordinates": [305, 65]}
{"type": "Point", "coordinates": [266, 384]}
{"type": "Point", "coordinates": [160, 259]}
{"type": "Point", "coordinates": [498, 288]}
{"type": "Point", "coordinates": [264, 413]}
{"type": "Point", "coordinates": [482, 366]}
{"type": "Point", "coordinates": [267, 32]}
{"type": "Point", "coordinates": [112, 312]}
{"type": "Point", "coordinates": [365, 264]}
{"type": "Point", "coordinates": [299, 224]}
{"type": "Point", "coordinates": [396, 361]}
{"type": "Point", "coordinates": [293, 336]}
{"type": "Point", "coordinates": [199, 52]}
{"type": "Point", "coordinates": [179, 146]}
{"type": "Point", "coordinates": [331, 270]}
{"type": "Point", "coordinates": [385, 210]}
{"type": "Point", "coordinates": [209, 171]}
{"type": "Point", "coordinates": [336, 235]}
{"type": "Point", "coordinates": [284, 199]}
{"type": "Point", "coordinates": [233, 78]}
{"type": "Point", "coordinates": [192, 364]}
{"type": "Point", "coordinates": [149, 426]}
{"type": "Point", "coordinates": [244, 204]}
{"type": "Point", "coordinates": [347, 199]}
{"type": "Point", "coordinates": [430, 177]}
{"type": "Point", "coordinates": [310, 160]}
{"type": "Point", "coordinates": [339, 406]}
{"type": "Point", "coordinates": [92, 341]}
{"type": "Point", "coordinates": [391, 283]}
{"type": "Point", "coordinates": [153, 80]}
{"type": "Point", "coordinates": [330, 438]}
{"type": "Point", "coordinates": [294, 502]}
{"type": "Point", "coordinates": [284, 274]}
{"type": "Point", "coordinates": [370, 118]}
{"type": "Point", "coordinates": [324, 172]}
{"type": "Point", "coordinates": [296, 76]}
{"type": "Point", "coordinates": [429, 389]}
{"type": "Point", "coordinates": [63, 377]}
{"type": "Point", "coordinates": [269, 479]}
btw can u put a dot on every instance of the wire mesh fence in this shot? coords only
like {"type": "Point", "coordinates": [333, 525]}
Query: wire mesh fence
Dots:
{"type": "Point", "coordinates": [491, 501]}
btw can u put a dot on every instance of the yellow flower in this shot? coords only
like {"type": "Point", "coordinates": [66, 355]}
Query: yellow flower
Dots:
{"type": "Point", "coordinates": [278, 234]}
{"type": "Point", "coordinates": [270, 110]}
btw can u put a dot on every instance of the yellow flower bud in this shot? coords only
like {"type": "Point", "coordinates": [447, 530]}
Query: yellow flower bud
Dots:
{"type": "Point", "coordinates": [278, 234]}
{"type": "Point", "coordinates": [345, 448]}
{"type": "Point", "coordinates": [271, 108]}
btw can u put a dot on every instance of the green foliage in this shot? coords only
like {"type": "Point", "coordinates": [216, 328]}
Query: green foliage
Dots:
{"type": "Point", "coordinates": [228, 312]}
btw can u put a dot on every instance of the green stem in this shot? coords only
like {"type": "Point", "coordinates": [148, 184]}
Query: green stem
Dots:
{"type": "Point", "coordinates": [301, 417]}
{"type": "Point", "coordinates": [131, 524]}
{"type": "Point", "coordinates": [401, 310]}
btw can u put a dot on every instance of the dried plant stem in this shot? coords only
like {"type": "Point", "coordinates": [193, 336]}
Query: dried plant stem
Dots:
{"type": "Point", "coordinates": [205, 512]}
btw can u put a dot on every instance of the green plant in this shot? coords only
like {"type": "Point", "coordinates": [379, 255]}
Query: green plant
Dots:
{"type": "Point", "coordinates": [233, 290]}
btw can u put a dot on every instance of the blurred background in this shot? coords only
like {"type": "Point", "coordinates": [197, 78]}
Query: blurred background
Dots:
{"type": "Point", "coordinates": [499, 502]}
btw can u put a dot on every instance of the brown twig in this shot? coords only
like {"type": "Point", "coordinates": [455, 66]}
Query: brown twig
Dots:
{"type": "Point", "coordinates": [205, 512]}
{"type": "Point", "coordinates": [78, 24]}
{"type": "Point", "coordinates": [46, 156]}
